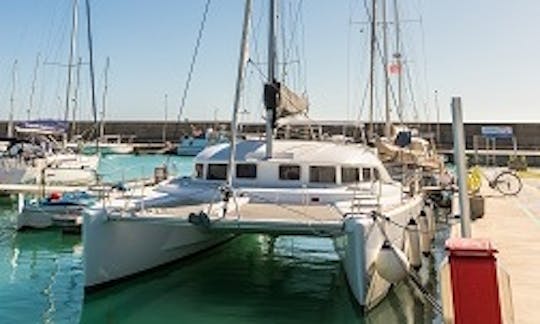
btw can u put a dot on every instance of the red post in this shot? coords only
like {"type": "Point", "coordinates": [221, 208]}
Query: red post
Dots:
{"type": "Point", "coordinates": [473, 279]}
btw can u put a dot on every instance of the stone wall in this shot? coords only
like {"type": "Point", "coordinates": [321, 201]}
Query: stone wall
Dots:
{"type": "Point", "coordinates": [528, 134]}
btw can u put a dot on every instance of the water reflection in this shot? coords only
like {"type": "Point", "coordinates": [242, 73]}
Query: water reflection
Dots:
{"type": "Point", "coordinates": [252, 279]}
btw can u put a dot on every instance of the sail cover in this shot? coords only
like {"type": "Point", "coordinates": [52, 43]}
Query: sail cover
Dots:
{"type": "Point", "coordinates": [43, 126]}
{"type": "Point", "coordinates": [283, 101]}
{"type": "Point", "coordinates": [290, 103]}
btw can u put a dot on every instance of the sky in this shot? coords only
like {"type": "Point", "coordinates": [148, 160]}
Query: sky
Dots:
{"type": "Point", "coordinates": [484, 51]}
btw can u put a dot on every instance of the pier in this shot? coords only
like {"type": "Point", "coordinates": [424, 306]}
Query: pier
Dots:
{"type": "Point", "coordinates": [513, 226]}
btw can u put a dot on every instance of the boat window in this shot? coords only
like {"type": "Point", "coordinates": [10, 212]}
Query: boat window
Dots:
{"type": "Point", "coordinates": [350, 175]}
{"type": "Point", "coordinates": [289, 172]}
{"type": "Point", "coordinates": [366, 174]}
{"type": "Point", "coordinates": [217, 172]}
{"type": "Point", "coordinates": [199, 170]}
{"type": "Point", "coordinates": [370, 174]}
{"type": "Point", "coordinates": [325, 174]}
{"type": "Point", "coordinates": [246, 171]}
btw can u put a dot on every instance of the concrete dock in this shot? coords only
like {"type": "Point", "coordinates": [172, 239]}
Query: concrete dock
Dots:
{"type": "Point", "coordinates": [513, 225]}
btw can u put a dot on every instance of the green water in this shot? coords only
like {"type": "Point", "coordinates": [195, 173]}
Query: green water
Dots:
{"type": "Point", "coordinates": [251, 279]}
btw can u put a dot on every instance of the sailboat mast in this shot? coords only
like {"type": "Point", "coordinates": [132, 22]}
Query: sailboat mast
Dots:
{"type": "Point", "coordinates": [397, 57]}
{"type": "Point", "coordinates": [372, 67]}
{"type": "Point", "coordinates": [387, 125]}
{"type": "Point", "coordinates": [238, 92]}
{"type": "Point", "coordinates": [76, 98]}
{"type": "Point", "coordinates": [72, 49]}
{"type": "Point", "coordinates": [271, 83]}
{"type": "Point", "coordinates": [104, 99]}
{"type": "Point", "coordinates": [91, 63]}
{"type": "Point", "coordinates": [12, 99]}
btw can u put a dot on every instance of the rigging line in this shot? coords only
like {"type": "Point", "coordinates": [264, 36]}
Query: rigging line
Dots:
{"type": "Point", "coordinates": [192, 65]}
{"type": "Point", "coordinates": [411, 92]}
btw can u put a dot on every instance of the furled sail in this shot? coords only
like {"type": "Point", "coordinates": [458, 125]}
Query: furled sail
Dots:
{"type": "Point", "coordinates": [284, 101]}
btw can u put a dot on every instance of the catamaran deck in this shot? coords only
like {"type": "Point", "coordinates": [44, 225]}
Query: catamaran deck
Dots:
{"type": "Point", "coordinates": [323, 220]}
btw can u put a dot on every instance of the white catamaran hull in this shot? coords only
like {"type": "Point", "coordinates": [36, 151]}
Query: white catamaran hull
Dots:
{"type": "Point", "coordinates": [359, 246]}
{"type": "Point", "coordinates": [120, 249]}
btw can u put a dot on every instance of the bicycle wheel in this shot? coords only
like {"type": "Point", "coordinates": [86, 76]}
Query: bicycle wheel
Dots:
{"type": "Point", "coordinates": [508, 183]}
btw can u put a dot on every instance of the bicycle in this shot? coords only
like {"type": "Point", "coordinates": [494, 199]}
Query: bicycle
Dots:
{"type": "Point", "coordinates": [506, 182]}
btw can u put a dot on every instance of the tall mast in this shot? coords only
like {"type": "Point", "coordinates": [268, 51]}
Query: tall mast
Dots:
{"type": "Point", "coordinates": [104, 99]}
{"type": "Point", "coordinates": [12, 99]}
{"type": "Point", "coordinates": [33, 89]}
{"type": "Point", "coordinates": [372, 67]}
{"type": "Point", "coordinates": [387, 125]}
{"type": "Point", "coordinates": [238, 92]}
{"type": "Point", "coordinates": [166, 112]}
{"type": "Point", "coordinates": [271, 82]}
{"type": "Point", "coordinates": [438, 129]}
{"type": "Point", "coordinates": [397, 57]}
{"type": "Point", "coordinates": [72, 50]}
{"type": "Point", "coordinates": [75, 107]}
{"type": "Point", "coordinates": [91, 62]}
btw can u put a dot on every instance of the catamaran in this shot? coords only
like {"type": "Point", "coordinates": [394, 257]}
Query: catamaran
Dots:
{"type": "Point", "coordinates": [279, 187]}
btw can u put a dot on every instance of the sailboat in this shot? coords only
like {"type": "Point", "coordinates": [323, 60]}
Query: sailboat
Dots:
{"type": "Point", "coordinates": [107, 144]}
{"type": "Point", "coordinates": [400, 145]}
{"type": "Point", "coordinates": [281, 187]}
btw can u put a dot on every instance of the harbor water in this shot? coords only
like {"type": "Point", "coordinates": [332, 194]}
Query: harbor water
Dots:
{"type": "Point", "coordinates": [250, 279]}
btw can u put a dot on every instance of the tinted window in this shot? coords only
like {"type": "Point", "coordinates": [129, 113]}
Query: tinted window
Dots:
{"type": "Point", "coordinates": [199, 170]}
{"type": "Point", "coordinates": [246, 171]}
{"type": "Point", "coordinates": [350, 175]}
{"type": "Point", "coordinates": [366, 174]}
{"type": "Point", "coordinates": [289, 172]}
{"type": "Point", "coordinates": [325, 174]}
{"type": "Point", "coordinates": [217, 172]}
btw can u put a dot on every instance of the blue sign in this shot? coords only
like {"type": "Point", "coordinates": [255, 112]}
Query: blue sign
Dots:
{"type": "Point", "coordinates": [497, 131]}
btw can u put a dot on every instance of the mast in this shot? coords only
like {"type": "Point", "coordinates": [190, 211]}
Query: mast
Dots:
{"type": "Point", "coordinates": [438, 129]}
{"type": "Point", "coordinates": [387, 125]}
{"type": "Point", "coordinates": [91, 62]}
{"type": "Point", "coordinates": [372, 67]}
{"type": "Point", "coordinates": [166, 108]}
{"type": "Point", "coordinates": [72, 50]}
{"type": "Point", "coordinates": [238, 92]}
{"type": "Point", "coordinates": [104, 99]}
{"type": "Point", "coordinates": [270, 88]}
{"type": "Point", "coordinates": [33, 89]}
{"type": "Point", "coordinates": [397, 57]}
{"type": "Point", "coordinates": [12, 99]}
{"type": "Point", "coordinates": [76, 98]}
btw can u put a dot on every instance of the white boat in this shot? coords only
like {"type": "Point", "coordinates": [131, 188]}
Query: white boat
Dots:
{"type": "Point", "coordinates": [46, 161]}
{"type": "Point", "coordinates": [63, 210]}
{"type": "Point", "coordinates": [133, 235]}
{"type": "Point", "coordinates": [108, 144]}
{"type": "Point", "coordinates": [198, 141]}
{"type": "Point", "coordinates": [280, 187]}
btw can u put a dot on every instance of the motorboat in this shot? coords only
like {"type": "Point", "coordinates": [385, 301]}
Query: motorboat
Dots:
{"type": "Point", "coordinates": [55, 209]}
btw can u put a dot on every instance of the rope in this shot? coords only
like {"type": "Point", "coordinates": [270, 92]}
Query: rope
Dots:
{"type": "Point", "coordinates": [413, 277]}
{"type": "Point", "coordinates": [192, 65]}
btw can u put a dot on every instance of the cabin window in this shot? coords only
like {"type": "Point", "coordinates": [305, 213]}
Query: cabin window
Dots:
{"type": "Point", "coordinates": [217, 172]}
{"type": "Point", "coordinates": [199, 167]}
{"type": "Point", "coordinates": [289, 172]}
{"type": "Point", "coordinates": [326, 174]}
{"type": "Point", "coordinates": [370, 174]}
{"type": "Point", "coordinates": [248, 171]}
{"type": "Point", "coordinates": [350, 175]}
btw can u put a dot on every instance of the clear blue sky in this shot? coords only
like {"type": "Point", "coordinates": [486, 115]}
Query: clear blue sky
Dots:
{"type": "Point", "coordinates": [485, 51]}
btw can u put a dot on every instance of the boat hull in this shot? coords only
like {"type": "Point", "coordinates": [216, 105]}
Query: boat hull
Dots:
{"type": "Point", "coordinates": [107, 149]}
{"type": "Point", "coordinates": [360, 244]}
{"type": "Point", "coordinates": [117, 249]}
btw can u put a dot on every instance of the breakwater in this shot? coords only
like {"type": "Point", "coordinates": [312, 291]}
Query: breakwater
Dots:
{"type": "Point", "coordinates": [527, 134]}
